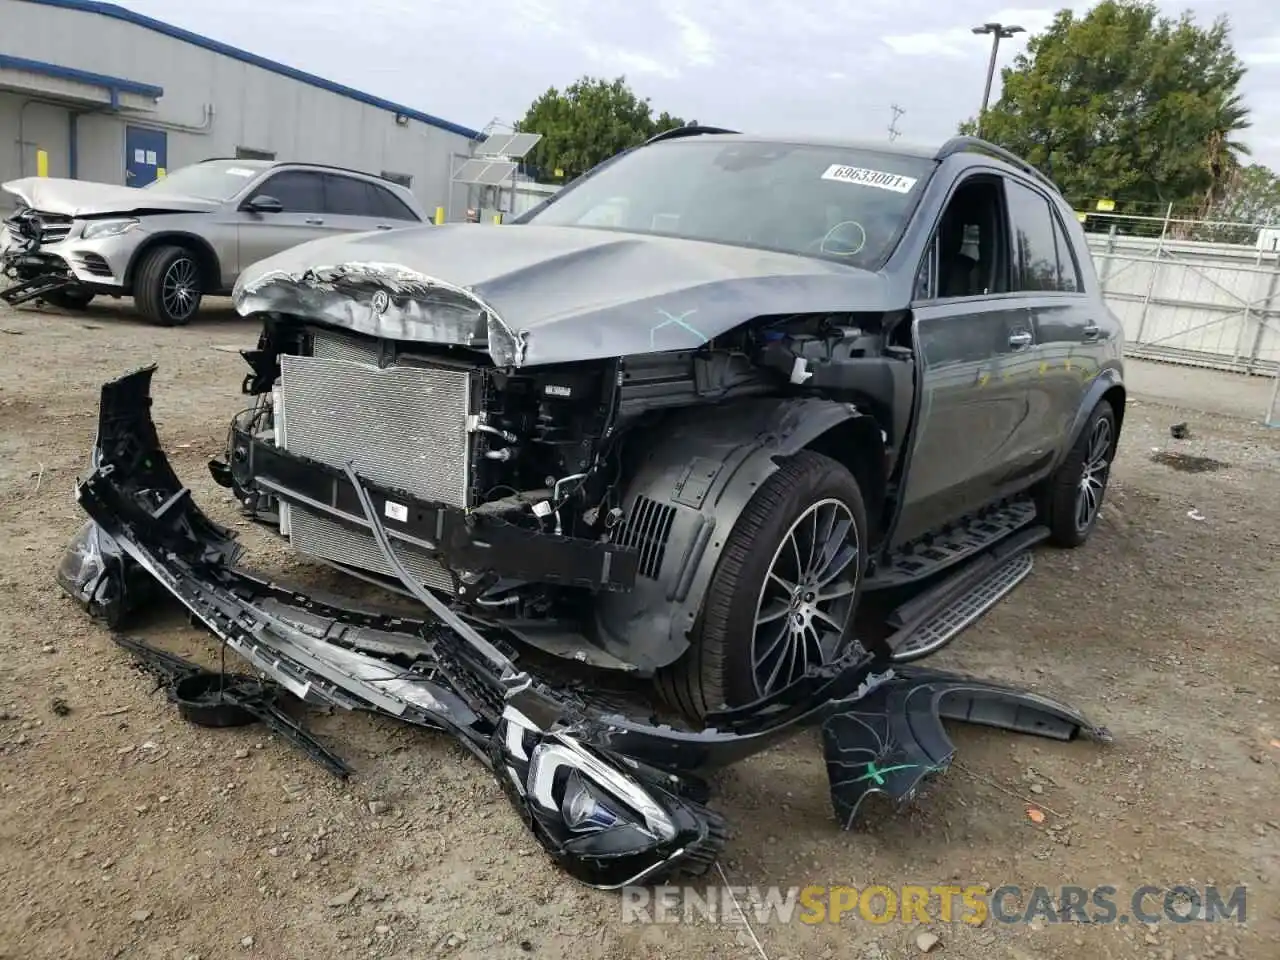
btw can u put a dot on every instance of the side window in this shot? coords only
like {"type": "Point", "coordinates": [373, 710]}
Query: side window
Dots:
{"type": "Point", "coordinates": [391, 206]}
{"type": "Point", "coordinates": [968, 255]}
{"type": "Point", "coordinates": [1068, 269]}
{"type": "Point", "coordinates": [349, 197]}
{"type": "Point", "coordinates": [297, 190]}
{"type": "Point", "coordinates": [1033, 238]}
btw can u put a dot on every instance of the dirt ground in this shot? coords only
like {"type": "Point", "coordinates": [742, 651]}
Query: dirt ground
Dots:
{"type": "Point", "coordinates": [126, 833]}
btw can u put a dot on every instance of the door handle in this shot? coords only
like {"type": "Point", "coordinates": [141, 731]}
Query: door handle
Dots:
{"type": "Point", "coordinates": [384, 226]}
{"type": "Point", "coordinates": [314, 220]}
{"type": "Point", "coordinates": [1091, 332]}
{"type": "Point", "coordinates": [1020, 339]}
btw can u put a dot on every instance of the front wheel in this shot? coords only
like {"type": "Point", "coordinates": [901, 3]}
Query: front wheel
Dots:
{"type": "Point", "coordinates": [783, 594]}
{"type": "Point", "coordinates": [166, 286]}
{"type": "Point", "coordinates": [1072, 497]}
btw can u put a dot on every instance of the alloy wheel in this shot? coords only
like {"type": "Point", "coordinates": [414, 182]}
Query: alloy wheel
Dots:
{"type": "Point", "coordinates": [1093, 476]}
{"type": "Point", "coordinates": [179, 289]}
{"type": "Point", "coordinates": [807, 598]}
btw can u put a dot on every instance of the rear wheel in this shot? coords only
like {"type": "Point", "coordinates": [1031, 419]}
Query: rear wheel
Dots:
{"type": "Point", "coordinates": [783, 595]}
{"type": "Point", "coordinates": [166, 286]}
{"type": "Point", "coordinates": [1072, 497]}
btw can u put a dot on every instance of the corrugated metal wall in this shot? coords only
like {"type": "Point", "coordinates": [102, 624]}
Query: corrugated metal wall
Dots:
{"type": "Point", "coordinates": [253, 107]}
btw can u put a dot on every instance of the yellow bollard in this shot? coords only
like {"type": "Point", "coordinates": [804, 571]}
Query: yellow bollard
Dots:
{"type": "Point", "coordinates": [42, 163]}
{"type": "Point", "coordinates": [497, 218]}
{"type": "Point", "coordinates": [439, 215]}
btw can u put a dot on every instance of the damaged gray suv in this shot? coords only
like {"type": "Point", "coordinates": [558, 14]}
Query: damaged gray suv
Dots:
{"type": "Point", "coordinates": [685, 417]}
{"type": "Point", "coordinates": [181, 237]}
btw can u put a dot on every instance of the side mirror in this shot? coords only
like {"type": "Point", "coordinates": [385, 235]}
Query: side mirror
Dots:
{"type": "Point", "coordinates": [264, 204]}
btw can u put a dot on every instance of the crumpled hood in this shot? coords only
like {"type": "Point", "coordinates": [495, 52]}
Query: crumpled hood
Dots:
{"type": "Point", "coordinates": [538, 295]}
{"type": "Point", "coordinates": [84, 198]}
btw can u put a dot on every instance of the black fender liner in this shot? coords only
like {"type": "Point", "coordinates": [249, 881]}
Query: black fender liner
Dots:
{"type": "Point", "coordinates": [701, 468]}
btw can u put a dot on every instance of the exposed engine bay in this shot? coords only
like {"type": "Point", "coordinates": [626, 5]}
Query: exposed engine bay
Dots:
{"type": "Point", "coordinates": [522, 493]}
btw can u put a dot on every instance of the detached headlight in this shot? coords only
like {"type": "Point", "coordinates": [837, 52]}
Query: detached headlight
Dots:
{"type": "Point", "coordinates": [101, 229]}
{"type": "Point", "coordinates": [589, 795]}
{"type": "Point", "coordinates": [607, 822]}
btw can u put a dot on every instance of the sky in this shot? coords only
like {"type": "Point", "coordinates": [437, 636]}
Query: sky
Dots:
{"type": "Point", "coordinates": [764, 66]}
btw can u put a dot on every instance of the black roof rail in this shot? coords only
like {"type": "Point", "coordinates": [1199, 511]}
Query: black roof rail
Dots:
{"type": "Point", "coordinates": [692, 130]}
{"type": "Point", "coordinates": [978, 145]}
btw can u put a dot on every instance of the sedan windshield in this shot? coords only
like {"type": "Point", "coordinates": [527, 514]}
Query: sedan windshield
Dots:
{"type": "Point", "coordinates": [842, 204]}
{"type": "Point", "coordinates": [212, 180]}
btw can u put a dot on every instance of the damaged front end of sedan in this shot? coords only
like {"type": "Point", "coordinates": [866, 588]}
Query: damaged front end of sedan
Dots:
{"type": "Point", "coordinates": [614, 799]}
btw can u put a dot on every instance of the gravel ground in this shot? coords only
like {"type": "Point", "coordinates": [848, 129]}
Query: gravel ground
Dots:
{"type": "Point", "coordinates": [126, 833]}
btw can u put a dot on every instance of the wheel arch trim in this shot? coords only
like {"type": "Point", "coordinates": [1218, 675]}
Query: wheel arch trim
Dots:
{"type": "Point", "coordinates": [211, 268]}
{"type": "Point", "coordinates": [703, 466]}
{"type": "Point", "coordinates": [1106, 385]}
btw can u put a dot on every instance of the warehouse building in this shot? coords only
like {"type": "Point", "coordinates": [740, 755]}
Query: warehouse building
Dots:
{"type": "Point", "coordinates": [94, 91]}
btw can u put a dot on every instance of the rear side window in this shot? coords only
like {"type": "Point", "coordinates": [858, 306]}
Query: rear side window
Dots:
{"type": "Point", "coordinates": [297, 190]}
{"type": "Point", "coordinates": [1033, 238]}
{"type": "Point", "coordinates": [391, 206]}
{"type": "Point", "coordinates": [349, 197]}
{"type": "Point", "coordinates": [1068, 270]}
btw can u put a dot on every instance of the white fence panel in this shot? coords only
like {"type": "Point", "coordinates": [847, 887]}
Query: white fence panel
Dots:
{"type": "Point", "coordinates": [1210, 304]}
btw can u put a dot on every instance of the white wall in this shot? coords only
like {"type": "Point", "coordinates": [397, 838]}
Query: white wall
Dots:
{"type": "Point", "coordinates": [26, 127]}
{"type": "Point", "coordinates": [253, 107]}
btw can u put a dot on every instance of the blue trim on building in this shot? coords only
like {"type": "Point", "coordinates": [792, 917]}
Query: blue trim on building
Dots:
{"type": "Point", "coordinates": [177, 33]}
{"type": "Point", "coordinates": [116, 85]}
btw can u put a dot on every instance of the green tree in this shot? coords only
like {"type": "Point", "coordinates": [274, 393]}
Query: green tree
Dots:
{"type": "Point", "coordinates": [1126, 104]}
{"type": "Point", "coordinates": [1251, 197]}
{"type": "Point", "coordinates": [588, 122]}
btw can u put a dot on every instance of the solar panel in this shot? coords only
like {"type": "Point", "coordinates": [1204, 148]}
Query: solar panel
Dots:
{"type": "Point", "coordinates": [484, 171]}
{"type": "Point", "coordinates": [521, 144]}
{"type": "Point", "coordinates": [496, 172]}
{"type": "Point", "coordinates": [495, 144]}
{"type": "Point", "coordinates": [514, 145]}
{"type": "Point", "coordinates": [466, 173]}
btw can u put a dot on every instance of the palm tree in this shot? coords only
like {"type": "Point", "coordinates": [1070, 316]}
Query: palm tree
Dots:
{"type": "Point", "coordinates": [1222, 152]}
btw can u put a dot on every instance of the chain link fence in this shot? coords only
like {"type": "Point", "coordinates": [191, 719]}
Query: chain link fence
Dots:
{"type": "Point", "coordinates": [1193, 291]}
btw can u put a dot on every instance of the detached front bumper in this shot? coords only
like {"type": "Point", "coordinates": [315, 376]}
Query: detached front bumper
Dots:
{"type": "Point", "coordinates": [613, 799]}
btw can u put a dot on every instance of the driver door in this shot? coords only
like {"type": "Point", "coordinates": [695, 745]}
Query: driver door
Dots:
{"type": "Point", "coordinates": [974, 338]}
{"type": "Point", "coordinates": [261, 235]}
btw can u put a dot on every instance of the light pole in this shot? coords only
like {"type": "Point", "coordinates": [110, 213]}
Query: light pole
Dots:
{"type": "Point", "coordinates": [998, 31]}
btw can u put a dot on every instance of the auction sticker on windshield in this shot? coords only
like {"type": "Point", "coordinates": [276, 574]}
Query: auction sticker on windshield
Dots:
{"type": "Point", "coordinates": [870, 178]}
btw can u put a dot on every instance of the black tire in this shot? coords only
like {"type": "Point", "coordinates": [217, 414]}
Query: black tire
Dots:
{"type": "Point", "coordinates": [717, 670]}
{"type": "Point", "coordinates": [166, 286]}
{"type": "Point", "coordinates": [69, 298]}
{"type": "Point", "coordinates": [1060, 502]}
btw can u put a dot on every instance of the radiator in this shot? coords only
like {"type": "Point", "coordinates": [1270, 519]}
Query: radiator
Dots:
{"type": "Point", "coordinates": [402, 426]}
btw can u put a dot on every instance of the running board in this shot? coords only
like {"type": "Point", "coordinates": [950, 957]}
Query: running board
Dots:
{"type": "Point", "coordinates": [927, 623]}
{"type": "Point", "coordinates": [928, 556]}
